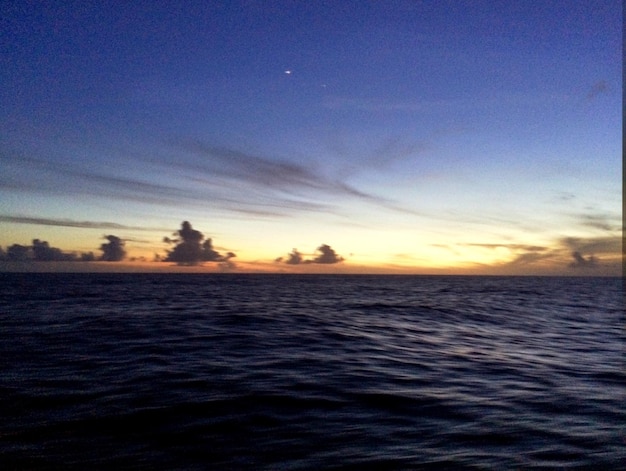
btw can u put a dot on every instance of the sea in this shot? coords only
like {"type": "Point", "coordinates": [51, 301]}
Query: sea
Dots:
{"type": "Point", "coordinates": [308, 372]}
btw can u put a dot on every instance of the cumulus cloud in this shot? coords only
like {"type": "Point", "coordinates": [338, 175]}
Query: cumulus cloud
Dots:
{"type": "Point", "coordinates": [113, 251]}
{"type": "Point", "coordinates": [190, 250]}
{"type": "Point", "coordinates": [44, 253]}
{"type": "Point", "coordinates": [18, 253]}
{"type": "Point", "coordinates": [326, 255]}
{"type": "Point", "coordinates": [293, 258]}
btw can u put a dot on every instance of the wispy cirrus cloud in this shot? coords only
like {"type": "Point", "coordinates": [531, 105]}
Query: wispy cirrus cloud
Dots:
{"type": "Point", "coordinates": [196, 175]}
{"type": "Point", "coordinates": [268, 176]}
{"type": "Point", "coordinates": [31, 174]}
{"type": "Point", "coordinates": [77, 224]}
{"type": "Point", "coordinates": [601, 221]}
{"type": "Point", "coordinates": [528, 248]}
{"type": "Point", "coordinates": [524, 254]}
{"type": "Point", "coordinates": [258, 170]}
{"type": "Point", "coordinates": [594, 245]}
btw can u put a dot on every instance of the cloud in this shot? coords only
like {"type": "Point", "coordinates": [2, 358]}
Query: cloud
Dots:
{"type": "Point", "coordinates": [198, 173]}
{"type": "Point", "coordinates": [599, 221]}
{"type": "Point", "coordinates": [262, 171]}
{"type": "Point", "coordinates": [603, 245]}
{"type": "Point", "coordinates": [192, 190]}
{"type": "Point", "coordinates": [529, 248]}
{"type": "Point", "coordinates": [290, 185]}
{"type": "Point", "coordinates": [42, 252]}
{"type": "Point", "coordinates": [326, 256]}
{"type": "Point", "coordinates": [524, 254]}
{"type": "Point", "coordinates": [113, 251]}
{"type": "Point", "coordinates": [584, 251]}
{"type": "Point", "coordinates": [529, 258]}
{"type": "Point", "coordinates": [18, 253]}
{"type": "Point", "coordinates": [581, 262]}
{"type": "Point", "coordinates": [293, 258]}
{"type": "Point", "coordinates": [190, 250]}
{"type": "Point", "coordinates": [72, 223]}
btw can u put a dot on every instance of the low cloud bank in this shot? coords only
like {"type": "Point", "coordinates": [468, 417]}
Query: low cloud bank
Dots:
{"type": "Point", "coordinates": [41, 251]}
{"type": "Point", "coordinates": [327, 255]}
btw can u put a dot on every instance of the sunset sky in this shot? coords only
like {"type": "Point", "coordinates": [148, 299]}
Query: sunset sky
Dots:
{"type": "Point", "coordinates": [409, 136]}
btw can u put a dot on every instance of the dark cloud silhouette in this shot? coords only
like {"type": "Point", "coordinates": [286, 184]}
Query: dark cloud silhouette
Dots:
{"type": "Point", "coordinates": [293, 258]}
{"type": "Point", "coordinates": [326, 256]}
{"type": "Point", "coordinates": [581, 262]}
{"type": "Point", "coordinates": [113, 251]}
{"type": "Point", "coordinates": [87, 257]}
{"type": "Point", "coordinates": [190, 250]}
{"type": "Point", "coordinates": [42, 252]}
{"type": "Point", "coordinates": [18, 253]}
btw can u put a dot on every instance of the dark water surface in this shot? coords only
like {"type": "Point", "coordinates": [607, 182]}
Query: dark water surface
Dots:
{"type": "Point", "coordinates": [311, 372]}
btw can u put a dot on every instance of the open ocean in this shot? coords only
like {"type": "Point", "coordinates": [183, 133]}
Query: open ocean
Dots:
{"type": "Point", "coordinates": [290, 372]}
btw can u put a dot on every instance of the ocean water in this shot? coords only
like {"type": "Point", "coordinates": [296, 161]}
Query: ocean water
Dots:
{"type": "Point", "coordinates": [156, 371]}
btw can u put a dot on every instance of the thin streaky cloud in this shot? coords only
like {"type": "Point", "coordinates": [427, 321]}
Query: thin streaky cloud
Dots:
{"type": "Point", "coordinates": [529, 258]}
{"type": "Point", "coordinates": [259, 170]}
{"type": "Point", "coordinates": [71, 223]}
{"type": "Point", "coordinates": [600, 221]}
{"type": "Point", "coordinates": [68, 179]}
{"type": "Point", "coordinates": [529, 248]}
{"type": "Point", "coordinates": [273, 188]}
{"type": "Point", "coordinates": [594, 245]}
{"type": "Point", "coordinates": [277, 175]}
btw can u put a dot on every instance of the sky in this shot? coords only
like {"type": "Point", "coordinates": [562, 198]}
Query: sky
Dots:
{"type": "Point", "coordinates": [467, 137]}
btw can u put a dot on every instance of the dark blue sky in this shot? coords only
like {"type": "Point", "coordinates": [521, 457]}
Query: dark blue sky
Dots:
{"type": "Point", "coordinates": [409, 134]}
